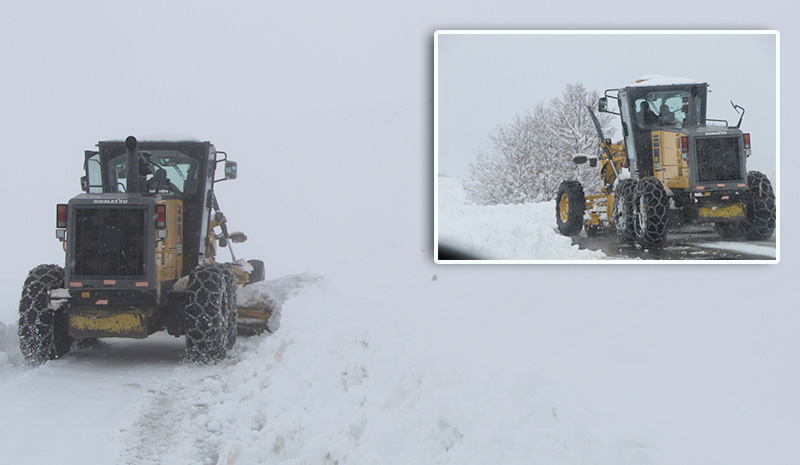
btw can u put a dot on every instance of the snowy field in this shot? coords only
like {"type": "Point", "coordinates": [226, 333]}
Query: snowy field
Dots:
{"type": "Point", "coordinates": [503, 232]}
{"type": "Point", "coordinates": [527, 233]}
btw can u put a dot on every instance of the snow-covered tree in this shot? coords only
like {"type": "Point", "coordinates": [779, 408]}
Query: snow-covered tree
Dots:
{"type": "Point", "coordinates": [532, 154]}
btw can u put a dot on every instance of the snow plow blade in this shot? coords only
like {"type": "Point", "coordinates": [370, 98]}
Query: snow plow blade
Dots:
{"type": "Point", "coordinates": [252, 321]}
{"type": "Point", "coordinates": [259, 304]}
{"type": "Point", "coordinates": [258, 308]}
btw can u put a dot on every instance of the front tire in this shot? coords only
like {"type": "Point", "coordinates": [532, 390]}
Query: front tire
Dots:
{"type": "Point", "coordinates": [43, 330]}
{"type": "Point", "coordinates": [570, 205]}
{"type": "Point", "coordinates": [210, 313]}
{"type": "Point", "coordinates": [624, 211]}
{"type": "Point", "coordinates": [652, 210]}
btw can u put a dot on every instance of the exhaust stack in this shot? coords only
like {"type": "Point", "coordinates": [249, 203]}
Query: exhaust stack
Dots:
{"type": "Point", "coordinates": [132, 150]}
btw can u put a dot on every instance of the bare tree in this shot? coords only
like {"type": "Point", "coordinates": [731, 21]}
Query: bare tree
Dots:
{"type": "Point", "coordinates": [532, 154]}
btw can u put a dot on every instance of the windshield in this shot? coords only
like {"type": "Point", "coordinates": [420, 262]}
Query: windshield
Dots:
{"type": "Point", "coordinates": [167, 170]}
{"type": "Point", "coordinates": [664, 108]}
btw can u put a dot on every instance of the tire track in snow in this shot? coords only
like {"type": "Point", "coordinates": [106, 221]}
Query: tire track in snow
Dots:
{"type": "Point", "coordinates": [174, 425]}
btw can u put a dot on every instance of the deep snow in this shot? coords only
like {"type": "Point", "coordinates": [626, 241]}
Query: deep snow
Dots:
{"type": "Point", "coordinates": [342, 381]}
{"type": "Point", "coordinates": [502, 232]}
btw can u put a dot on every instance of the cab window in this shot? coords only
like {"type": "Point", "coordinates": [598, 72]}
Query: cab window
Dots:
{"type": "Point", "coordinates": [179, 171]}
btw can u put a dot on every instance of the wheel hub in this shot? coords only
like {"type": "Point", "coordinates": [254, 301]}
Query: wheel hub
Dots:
{"type": "Point", "coordinates": [563, 207]}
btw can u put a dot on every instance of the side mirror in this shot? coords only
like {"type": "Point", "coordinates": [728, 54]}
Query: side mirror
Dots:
{"type": "Point", "coordinates": [602, 105]}
{"type": "Point", "coordinates": [230, 170]}
{"type": "Point", "coordinates": [84, 184]}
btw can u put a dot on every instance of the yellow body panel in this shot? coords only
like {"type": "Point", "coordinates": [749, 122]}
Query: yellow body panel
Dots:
{"type": "Point", "coordinates": [169, 254]}
{"type": "Point", "coordinates": [668, 165]}
{"type": "Point", "coordinates": [108, 324]}
{"type": "Point", "coordinates": [728, 212]}
{"type": "Point", "coordinates": [617, 156]}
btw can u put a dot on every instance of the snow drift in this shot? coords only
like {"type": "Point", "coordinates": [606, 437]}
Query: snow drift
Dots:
{"type": "Point", "coordinates": [342, 383]}
{"type": "Point", "coordinates": [503, 232]}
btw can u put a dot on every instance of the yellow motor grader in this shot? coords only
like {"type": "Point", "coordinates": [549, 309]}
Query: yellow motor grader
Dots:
{"type": "Point", "coordinates": [140, 248]}
{"type": "Point", "coordinates": [674, 166]}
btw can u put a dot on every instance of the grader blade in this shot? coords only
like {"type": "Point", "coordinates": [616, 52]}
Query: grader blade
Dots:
{"type": "Point", "coordinates": [257, 310]}
{"type": "Point", "coordinates": [252, 321]}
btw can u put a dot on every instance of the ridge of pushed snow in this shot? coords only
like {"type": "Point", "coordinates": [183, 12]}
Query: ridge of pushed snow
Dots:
{"type": "Point", "coordinates": [10, 356]}
{"type": "Point", "coordinates": [344, 382]}
{"type": "Point", "coordinates": [503, 232]}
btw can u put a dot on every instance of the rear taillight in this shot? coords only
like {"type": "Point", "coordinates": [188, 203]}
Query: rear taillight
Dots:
{"type": "Point", "coordinates": [161, 216]}
{"type": "Point", "coordinates": [684, 144]}
{"type": "Point", "coordinates": [747, 150]}
{"type": "Point", "coordinates": [61, 216]}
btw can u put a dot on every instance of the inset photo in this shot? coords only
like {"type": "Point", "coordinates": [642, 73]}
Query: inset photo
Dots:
{"type": "Point", "coordinates": [606, 147]}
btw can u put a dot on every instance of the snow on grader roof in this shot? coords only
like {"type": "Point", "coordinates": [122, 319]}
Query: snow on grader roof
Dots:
{"type": "Point", "coordinates": [656, 80]}
{"type": "Point", "coordinates": [161, 137]}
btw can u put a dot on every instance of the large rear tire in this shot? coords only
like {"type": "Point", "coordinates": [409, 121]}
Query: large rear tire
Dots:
{"type": "Point", "coordinates": [43, 329]}
{"type": "Point", "coordinates": [570, 205]}
{"type": "Point", "coordinates": [624, 216]}
{"type": "Point", "coordinates": [652, 213]}
{"type": "Point", "coordinates": [210, 313]}
{"type": "Point", "coordinates": [761, 212]}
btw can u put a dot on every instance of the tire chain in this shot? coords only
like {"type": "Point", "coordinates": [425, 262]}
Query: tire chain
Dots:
{"type": "Point", "coordinates": [651, 229]}
{"type": "Point", "coordinates": [39, 338]}
{"type": "Point", "coordinates": [210, 314]}
{"type": "Point", "coordinates": [624, 208]}
{"type": "Point", "coordinates": [761, 210]}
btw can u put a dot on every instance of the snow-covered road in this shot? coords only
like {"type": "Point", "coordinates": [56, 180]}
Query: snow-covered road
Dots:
{"type": "Point", "coordinates": [76, 410]}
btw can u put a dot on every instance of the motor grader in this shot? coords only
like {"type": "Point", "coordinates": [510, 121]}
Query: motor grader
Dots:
{"type": "Point", "coordinates": [141, 251]}
{"type": "Point", "coordinates": [674, 166]}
